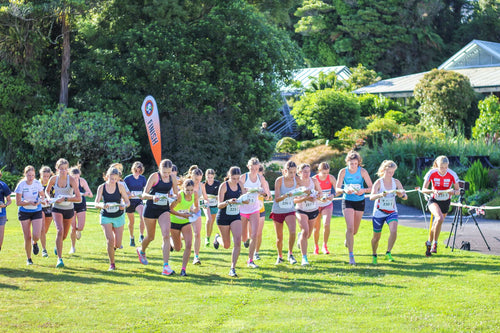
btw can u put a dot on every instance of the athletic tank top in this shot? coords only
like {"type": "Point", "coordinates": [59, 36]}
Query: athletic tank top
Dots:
{"type": "Point", "coordinates": [385, 205]}
{"type": "Point", "coordinates": [114, 197]}
{"type": "Point", "coordinates": [64, 191]}
{"type": "Point", "coordinates": [160, 188]}
{"type": "Point", "coordinates": [356, 181]}
{"type": "Point", "coordinates": [184, 205]}
{"type": "Point", "coordinates": [326, 189]}
{"type": "Point", "coordinates": [285, 206]}
{"type": "Point", "coordinates": [230, 194]}
{"type": "Point", "coordinates": [253, 206]}
{"type": "Point", "coordinates": [212, 190]}
{"type": "Point", "coordinates": [82, 191]}
{"type": "Point", "coordinates": [308, 206]}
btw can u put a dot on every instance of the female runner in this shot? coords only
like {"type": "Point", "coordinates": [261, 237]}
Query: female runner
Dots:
{"type": "Point", "coordinates": [283, 210]}
{"type": "Point", "coordinates": [384, 193]}
{"type": "Point", "coordinates": [444, 183]}
{"type": "Point", "coordinates": [135, 183]}
{"type": "Point", "coordinates": [112, 218]}
{"type": "Point", "coordinates": [262, 216]}
{"type": "Point", "coordinates": [307, 208]}
{"type": "Point", "coordinates": [29, 194]}
{"type": "Point", "coordinates": [182, 209]}
{"type": "Point", "coordinates": [210, 189]}
{"type": "Point", "coordinates": [228, 217]}
{"type": "Point", "coordinates": [196, 175]}
{"type": "Point", "coordinates": [45, 174]}
{"type": "Point", "coordinates": [66, 193]}
{"type": "Point", "coordinates": [350, 181]}
{"type": "Point", "coordinates": [4, 202]}
{"type": "Point", "coordinates": [157, 208]}
{"type": "Point", "coordinates": [325, 206]}
{"type": "Point", "coordinates": [80, 208]}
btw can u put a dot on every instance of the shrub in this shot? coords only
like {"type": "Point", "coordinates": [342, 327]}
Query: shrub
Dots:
{"type": "Point", "coordinates": [10, 179]}
{"type": "Point", "coordinates": [307, 144]}
{"type": "Point", "coordinates": [478, 177]}
{"type": "Point", "coordinates": [488, 122]}
{"type": "Point", "coordinates": [398, 116]}
{"type": "Point", "coordinates": [493, 213]}
{"type": "Point", "coordinates": [380, 124]}
{"type": "Point", "coordinates": [286, 145]}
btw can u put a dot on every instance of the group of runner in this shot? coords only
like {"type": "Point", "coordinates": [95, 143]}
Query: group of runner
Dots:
{"type": "Point", "coordinates": [236, 205]}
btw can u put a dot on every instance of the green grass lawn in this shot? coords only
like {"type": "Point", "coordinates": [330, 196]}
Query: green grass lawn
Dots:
{"type": "Point", "coordinates": [456, 291]}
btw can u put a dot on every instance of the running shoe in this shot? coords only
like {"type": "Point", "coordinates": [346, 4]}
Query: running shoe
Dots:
{"type": "Point", "coordinates": [251, 264]}
{"type": "Point", "coordinates": [142, 256]}
{"type": "Point", "coordinates": [207, 242]}
{"type": "Point", "coordinates": [305, 262]}
{"type": "Point", "coordinates": [279, 261]}
{"type": "Point", "coordinates": [183, 272]}
{"type": "Point", "coordinates": [196, 261]}
{"type": "Point", "coordinates": [325, 250]}
{"type": "Point", "coordinates": [256, 256]}
{"type": "Point", "coordinates": [132, 242]}
{"type": "Point", "coordinates": [298, 239]}
{"type": "Point", "coordinates": [78, 234]}
{"type": "Point", "coordinates": [291, 259]}
{"type": "Point", "coordinates": [167, 270]}
{"type": "Point", "coordinates": [247, 243]}
{"type": "Point", "coordinates": [434, 248]}
{"type": "Point", "coordinates": [45, 254]}
{"type": "Point", "coordinates": [112, 267]}
{"type": "Point", "coordinates": [36, 249]}
{"type": "Point", "coordinates": [352, 261]}
{"type": "Point", "coordinates": [216, 243]}
{"type": "Point", "coordinates": [60, 263]}
{"type": "Point", "coordinates": [141, 238]}
{"type": "Point", "coordinates": [374, 260]}
{"type": "Point", "coordinates": [428, 250]}
{"type": "Point", "coordinates": [316, 249]}
{"type": "Point", "coordinates": [232, 273]}
{"type": "Point", "coordinates": [72, 250]}
{"type": "Point", "coordinates": [388, 256]}
{"type": "Point", "coordinates": [29, 262]}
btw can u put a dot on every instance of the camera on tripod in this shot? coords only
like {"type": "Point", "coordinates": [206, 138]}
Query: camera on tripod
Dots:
{"type": "Point", "coordinates": [463, 186]}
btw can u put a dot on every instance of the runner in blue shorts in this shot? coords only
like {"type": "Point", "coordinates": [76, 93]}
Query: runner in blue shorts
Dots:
{"type": "Point", "coordinates": [384, 192]}
{"type": "Point", "coordinates": [210, 189]}
{"type": "Point", "coordinates": [112, 192]}
{"type": "Point", "coordinates": [136, 183]}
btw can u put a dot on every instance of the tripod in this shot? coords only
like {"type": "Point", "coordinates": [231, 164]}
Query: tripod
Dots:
{"type": "Point", "coordinates": [458, 218]}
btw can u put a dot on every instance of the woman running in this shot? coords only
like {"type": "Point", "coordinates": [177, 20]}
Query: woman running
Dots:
{"type": "Point", "coordinates": [250, 213]}
{"type": "Point", "coordinates": [350, 181]}
{"type": "Point", "coordinates": [157, 208]}
{"type": "Point", "coordinates": [327, 183]}
{"type": "Point", "coordinates": [228, 217]}
{"type": "Point", "coordinates": [4, 202]}
{"type": "Point", "coordinates": [262, 215]}
{"type": "Point", "coordinates": [45, 174]}
{"type": "Point", "coordinates": [135, 183]}
{"type": "Point", "coordinates": [444, 184]}
{"type": "Point", "coordinates": [182, 210]}
{"type": "Point", "coordinates": [210, 189]}
{"type": "Point", "coordinates": [66, 193]}
{"type": "Point", "coordinates": [80, 208]}
{"type": "Point", "coordinates": [29, 195]}
{"type": "Point", "coordinates": [283, 210]}
{"type": "Point", "coordinates": [195, 174]}
{"type": "Point", "coordinates": [384, 193]}
{"type": "Point", "coordinates": [112, 218]}
{"type": "Point", "coordinates": [306, 208]}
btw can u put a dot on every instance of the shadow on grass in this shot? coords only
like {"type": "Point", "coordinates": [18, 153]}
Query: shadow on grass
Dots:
{"type": "Point", "coordinates": [8, 286]}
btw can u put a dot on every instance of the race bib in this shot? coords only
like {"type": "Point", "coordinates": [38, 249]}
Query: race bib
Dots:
{"type": "Point", "coordinates": [286, 204]}
{"type": "Point", "coordinates": [386, 204]}
{"type": "Point", "coordinates": [442, 196]}
{"type": "Point", "coordinates": [136, 193]}
{"type": "Point", "coordinates": [212, 200]}
{"type": "Point", "coordinates": [114, 208]}
{"type": "Point", "coordinates": [310, 205]}
{"type": "Point", "coordinates": [252, 198]}
{"type": "Point", "coordinates": [232, 209]}
{"type": "Point", "coordinates": [163, 199]}
{"type": "Point", "coordinates": [355, 187]}
{"type": "Point", "coordinates": [31, 207]}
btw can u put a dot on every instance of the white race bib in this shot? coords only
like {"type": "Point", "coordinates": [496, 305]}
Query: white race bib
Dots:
{"type": "Point", "coordinates": [287, 203]}
{"type": "Point", "coordinates": [114, 208]}
{"type": "Point", "coordinates": [442, 196]}
{"type": "Point", "coordinates": [136, 193]}
{"type": "Point", "coordinates": [386, 204]}
{"type": "Point", "coordinates": [232, 209]}
{"type": "Point", "coordinates": [163, 199]}
{"type": "Point", "coordinates": [252, 198]}
{"type": "Point", "coordinates": [310, 205]}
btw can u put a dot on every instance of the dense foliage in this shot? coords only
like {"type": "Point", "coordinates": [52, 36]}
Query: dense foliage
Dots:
{"type": "Point", "coordinates": [488, 123]}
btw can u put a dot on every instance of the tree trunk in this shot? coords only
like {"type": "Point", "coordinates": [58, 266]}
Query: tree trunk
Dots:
{"type": "Point", "coordinates": [66, 52]}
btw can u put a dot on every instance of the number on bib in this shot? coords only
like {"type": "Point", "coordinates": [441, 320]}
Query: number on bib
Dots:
{"type": "Point", "coordinates": [286, 204]}
{"type": "Point", "coordinates": [232, 210]}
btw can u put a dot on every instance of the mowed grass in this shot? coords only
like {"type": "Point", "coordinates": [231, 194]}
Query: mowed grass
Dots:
{"type": "Point", "coordinates": [456, 291]}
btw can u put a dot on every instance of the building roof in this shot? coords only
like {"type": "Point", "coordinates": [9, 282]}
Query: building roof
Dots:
{"type": "Point", "coordinates": [306, 75]}
{"type": "Point", "coordinates": [479, 61]}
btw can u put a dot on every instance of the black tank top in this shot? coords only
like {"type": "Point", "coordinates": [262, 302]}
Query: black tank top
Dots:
{"type": "Point", "coordinates": [111, 197]}
{"type": "Point", "coordinates": [212, 189]}
{"type": "Point", "coordinates": [160, 187]}
{"type": "Point", "coordinates": [82, 191]}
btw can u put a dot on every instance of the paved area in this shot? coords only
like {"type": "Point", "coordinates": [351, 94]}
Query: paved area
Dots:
{"type": "Point", "coordinates": [466, 231]}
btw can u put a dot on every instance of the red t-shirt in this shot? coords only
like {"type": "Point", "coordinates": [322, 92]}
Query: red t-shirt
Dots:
{"type": "Point", "coordinates": [440, 182]}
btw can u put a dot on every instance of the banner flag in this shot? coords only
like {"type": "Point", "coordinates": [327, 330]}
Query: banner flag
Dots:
{"type": "Point", "coordinates": [152, 120]}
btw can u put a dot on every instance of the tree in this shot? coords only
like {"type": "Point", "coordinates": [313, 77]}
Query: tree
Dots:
{"type": "Point", "coordinates": [488, 122]}
{"type": "Point", "coordinates": [445, 98]}
{"type": "Point", "coordinates": [362, 77]}
{"type": "Point", "coordinates": [327, 111]}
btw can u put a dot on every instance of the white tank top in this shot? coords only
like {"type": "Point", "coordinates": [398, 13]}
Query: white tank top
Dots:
{"type": "Point", "coordinates": [66, 191]}
{"type": "Point", "coordinates": [385, 205]}
{"type": "Point", "coordinates": [308, 206]}
{"type": "Point", "coordinates": [254, 205]}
